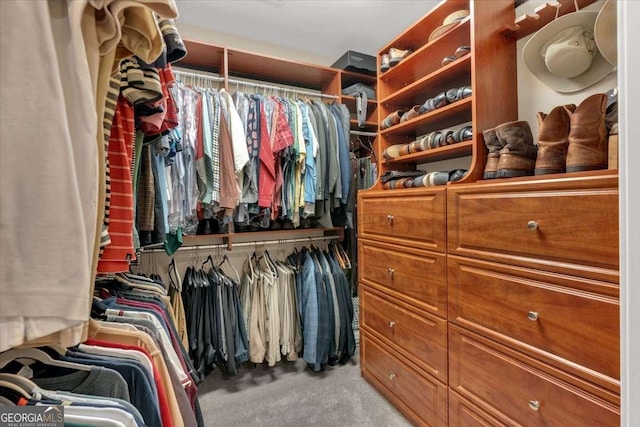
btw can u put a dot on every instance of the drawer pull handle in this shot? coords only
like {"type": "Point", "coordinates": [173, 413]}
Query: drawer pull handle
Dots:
{"type": "Point", "coordinates": [390, 271]}
{"type": "Point", "coordinates": [390, 219]}
{"type": "Point", "coordinates": [534, 405]}
{"type": "Point", "coordinates": [532, 225]}
{"type": "Point", "coordinates": [533, 316]}
{"type": "Point", "coordinates": [391, 323]}
{"type": "Point", "coordinates": [392, 376]}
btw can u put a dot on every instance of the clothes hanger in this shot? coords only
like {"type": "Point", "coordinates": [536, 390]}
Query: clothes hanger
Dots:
{"type": "Point", "coordinates": [12, 386]}
{"type": "Point", "coordinates": [280, 254]}
{"type": "Point", "coordinates": [24, 383]}
{"type": "Point", "coordinates": [226, 258]}
{"type": "Point", "coordinates": [38, 355]}
{"type": "Point", "coordinates": [209, 260]}
{"type": "Point", "coordinates": [249, 267]}
{"type": "Point", "coordinates": [341, 255]}
{"type": "Point", "coordinates": [173, 275]}
{"type": "Point", "coordinates": [59, 349]}
{"type": "Point", "coordinates": [333, 252]}
{"type": "Point", "coordinates": [10, 395]}
{"type": "Point", "coordinates": [201, 275]}
{"type": "Point", "coordinates": [270, 264]}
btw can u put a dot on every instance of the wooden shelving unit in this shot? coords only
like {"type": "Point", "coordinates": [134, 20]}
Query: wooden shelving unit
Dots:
{"type": "Point", "coordinates": [233, 64]}
{"type": "Point", "coordinates": [489, 69]}
{"type": "Point", "coordinates": [514, 303]}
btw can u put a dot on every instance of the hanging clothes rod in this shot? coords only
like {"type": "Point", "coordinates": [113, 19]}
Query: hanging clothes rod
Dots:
{"type": "Point", "coordinates": [246, 244]}
{"type": "Point", "coordinates": [284, 89]}
{"type": "Point", "coordinates": [252, 84]}
{"type": "Point", "coordinates": [275, 242]}
{"type": "Point", "coordinates": [198, 76]}
{"type": "Point", "coordinates": [361, 133]}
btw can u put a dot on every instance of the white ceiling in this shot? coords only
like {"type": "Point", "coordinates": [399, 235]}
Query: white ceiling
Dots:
{"type": "Point", "coordinates": [323, 27]}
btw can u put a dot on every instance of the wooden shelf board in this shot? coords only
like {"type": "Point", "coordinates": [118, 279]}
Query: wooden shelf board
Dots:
{"type": "Point", "coordinates": [368, 125]}
{"type": "Point", "coordinates": [350, 77]}
{"type": "Point", "coordinates": [257, 236]}
{"type": "Point", "coordinates": [346, 99]}
{"type": "Point", "coordinates": [425, 61]}
{"type": "Point", "coordinates": [456, 73]}
{"type": "Point", "coordinates": [441, 153]}
{"type": "Point", "coordinates": [566, 176]}
{"type": "Point", "coordinates": [417, 34]}
{"type": "Point", "coordinates": [449, 115]}
{"type": "Point", "coordinates": [282, 71]}
{"type": "Point", "coordinates": [202, 56]}
{"type": "Point", "coordinates": [204, 239]}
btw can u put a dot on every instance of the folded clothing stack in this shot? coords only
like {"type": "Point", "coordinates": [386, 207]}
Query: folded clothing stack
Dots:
{"type": "Point", "coordinates": [439, 138]}
{"type": "Point", "coordinates": [361, 93]}
{"type": "Point", "coordinates": [358, 88]}
{"type": "Point", "coordinates": [411, 179]}
{"type": "Point", "coordinates": [442, 99]}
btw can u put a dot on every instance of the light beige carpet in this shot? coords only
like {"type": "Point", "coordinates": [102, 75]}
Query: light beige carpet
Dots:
{"type": "Point", "coordinates": [290, 394]}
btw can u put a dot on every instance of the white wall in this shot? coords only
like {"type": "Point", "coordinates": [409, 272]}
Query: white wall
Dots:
{"type": "Point", "coordinates": [629, 62]}
{"type": "Point", "coordinates": [533, 95]}
{"type": "Point", "coordinates": [191, 32]}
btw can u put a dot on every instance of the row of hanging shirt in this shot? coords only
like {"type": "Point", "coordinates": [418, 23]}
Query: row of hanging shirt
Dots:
{"type": "Point", "coordinates": [255, 158]}
{"type": "Point", "coordinates": [182, 155]}
{"type": "Point", "coordinates": [213, 317]}
{"type": "Point", "coordinates": [133, 367]}
{"type": "Point", "coordinates": [298, 306]}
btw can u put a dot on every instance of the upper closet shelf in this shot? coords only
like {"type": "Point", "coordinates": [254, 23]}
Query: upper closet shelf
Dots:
{"type": "Point", "coordinates": [282, 71]}
{"type": "Point", "coordinates": [211, 58]}
{"type": "Point", "coordinates": [543, 14]}
{"type": "Point", "coordinates": [203, 57]}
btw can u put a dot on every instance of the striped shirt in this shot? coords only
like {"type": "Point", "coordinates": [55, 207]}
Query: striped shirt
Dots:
{"type": "Point", "coordinates": [117, 255]}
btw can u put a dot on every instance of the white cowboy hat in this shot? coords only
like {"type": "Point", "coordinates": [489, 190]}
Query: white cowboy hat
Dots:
{"type": "Point", "coordinates": [563, 54]}
{"type": "Point", "coordinates": [449, 22]}
{"type": "Point", "coordinates": [605, 32]}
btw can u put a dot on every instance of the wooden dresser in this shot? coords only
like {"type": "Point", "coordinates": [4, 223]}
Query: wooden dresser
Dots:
{"type": "Point", "coordinates": [515, 321]}
{"type": "Point", "coordinates": [402, 233]}
{"type": "Point", "coordinates": [485, 302]}
{"type": "Point", "coordinates": [534, 301]}
{"type": "Point", "coordinates": [403, 300]}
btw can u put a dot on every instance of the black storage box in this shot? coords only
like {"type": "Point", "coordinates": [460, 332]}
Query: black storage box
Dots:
{"type": "Point", "coordinates": [357, 62]}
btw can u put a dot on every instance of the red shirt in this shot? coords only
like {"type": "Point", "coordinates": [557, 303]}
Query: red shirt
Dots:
{"type": "Point", "coordinates": [267, 176]}
{"type": "Point", "coordinates": [118, 254]}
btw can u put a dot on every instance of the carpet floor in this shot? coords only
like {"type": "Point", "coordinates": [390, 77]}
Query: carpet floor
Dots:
{"type": "Point", "coordinates": [290, 394]}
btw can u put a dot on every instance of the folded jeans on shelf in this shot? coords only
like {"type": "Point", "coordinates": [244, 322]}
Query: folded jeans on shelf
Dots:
{"type": "Point", "coordinates": [391, 175]}
{"type": "Point", "coordinates": [362, 93]}
{"type": "Point", "coordinates": [359, 88]}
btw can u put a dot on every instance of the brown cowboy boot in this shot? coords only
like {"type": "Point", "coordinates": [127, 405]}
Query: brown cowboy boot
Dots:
{"type": "Point", "coordinates": [518, 157]}
{"type": "Point", "coordinates": [494, 145]}
{"type": "Point", "coordinates": [588, 148]}
{"type": "Point", "coordinates": [553, 140]}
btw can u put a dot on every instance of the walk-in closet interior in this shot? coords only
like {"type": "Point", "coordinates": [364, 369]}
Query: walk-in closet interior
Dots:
{"type": "Point", "coordinates": [355, 213]}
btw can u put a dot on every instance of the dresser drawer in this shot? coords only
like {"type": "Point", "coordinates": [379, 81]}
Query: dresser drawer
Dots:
{"type": "Point", "coordinates": [463, 413]}
{"type": "Point", "coordinates": [549, 224]}
{"type": "Point", "coordinates": [520, 390]}
{"type": "Point", "coordinates": [420, 398]}
{"type": "Point", "coordinates": [415, 218]}
{"type": "Point", "coordinates": [423, 337]}
{"type": "Point", "coordinates": [414, 276]}
{"type": "Point", "coordinates": [561, 315]}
